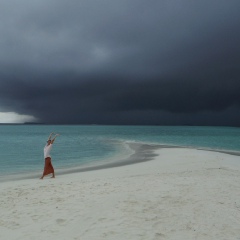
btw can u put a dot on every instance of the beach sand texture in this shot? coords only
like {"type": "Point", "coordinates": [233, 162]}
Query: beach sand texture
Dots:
{"type": "Point", "coordinates": [181, 194]}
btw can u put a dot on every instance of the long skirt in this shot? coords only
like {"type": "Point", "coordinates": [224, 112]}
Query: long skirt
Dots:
{"type": "Point", "coordinates": [48, 168]}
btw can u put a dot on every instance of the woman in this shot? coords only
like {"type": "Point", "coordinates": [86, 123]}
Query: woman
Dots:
{"type": "Point", "coordinates": [48, 168]}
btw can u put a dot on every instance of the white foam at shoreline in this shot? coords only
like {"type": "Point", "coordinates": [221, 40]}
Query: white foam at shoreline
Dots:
{"type": "Point", "coordinates": [181, 194]}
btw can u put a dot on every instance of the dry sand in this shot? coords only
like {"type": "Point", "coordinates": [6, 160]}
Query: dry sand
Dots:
{"type": "Point", "coordinates": [181, 194]}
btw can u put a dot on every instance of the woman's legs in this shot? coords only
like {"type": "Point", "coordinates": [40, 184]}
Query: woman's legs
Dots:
{"type": "Point", "coordinates": [48, 168]}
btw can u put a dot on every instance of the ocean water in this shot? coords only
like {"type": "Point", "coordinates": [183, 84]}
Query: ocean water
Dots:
{"type": "Point", "coordinates": [21, 146]}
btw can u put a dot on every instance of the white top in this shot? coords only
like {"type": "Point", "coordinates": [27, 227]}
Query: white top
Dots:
{"type": "Point", "coordinates": [47, 150]}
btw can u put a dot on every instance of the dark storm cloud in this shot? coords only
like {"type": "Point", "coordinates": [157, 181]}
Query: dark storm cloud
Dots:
{"type": "Point", "coordinates": [149, 62]}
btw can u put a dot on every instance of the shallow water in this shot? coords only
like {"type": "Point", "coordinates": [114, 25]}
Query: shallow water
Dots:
{"type": "Point", "coordinates": [21, 148]}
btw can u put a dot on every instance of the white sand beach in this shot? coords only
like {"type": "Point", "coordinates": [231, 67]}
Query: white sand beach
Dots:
{"type": "Point", "coordinates": [181, 194]}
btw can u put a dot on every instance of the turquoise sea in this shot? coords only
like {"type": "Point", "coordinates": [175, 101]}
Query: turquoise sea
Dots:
{"type": "Point", "coordinates": [21, 146]}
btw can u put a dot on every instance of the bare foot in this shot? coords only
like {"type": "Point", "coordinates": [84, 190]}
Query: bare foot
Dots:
{"type": "Point", "coordinates": [41, 177]}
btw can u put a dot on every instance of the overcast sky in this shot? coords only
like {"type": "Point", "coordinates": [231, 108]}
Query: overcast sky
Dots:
{"type": "Point", "coordinates": [120, 61]}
